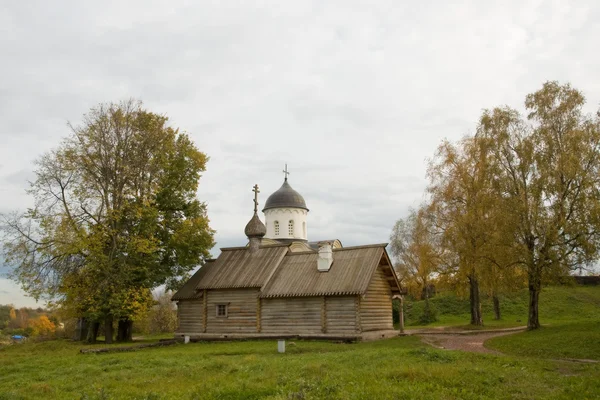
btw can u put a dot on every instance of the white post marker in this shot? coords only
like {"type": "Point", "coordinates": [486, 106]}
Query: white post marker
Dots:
{"type": "Point", "coordinates": [281, 346]}
{"type": "Point", "coordinates": [186, 339]}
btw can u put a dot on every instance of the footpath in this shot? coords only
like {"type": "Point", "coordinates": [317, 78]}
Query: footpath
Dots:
{"type": "Point", "coordinates": [465, 340]}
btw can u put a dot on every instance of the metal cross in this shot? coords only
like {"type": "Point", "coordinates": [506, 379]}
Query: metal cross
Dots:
{"type": "Point", "coordinates": [256, 192]}
{"type": "Point", "coordinates": [285, 172]}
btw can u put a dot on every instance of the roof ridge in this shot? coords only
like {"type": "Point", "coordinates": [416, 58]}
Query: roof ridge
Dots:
{"type": "Point", "coordinates": [365, 246]}
{"type": "Point", "coordinates": [265, 246]}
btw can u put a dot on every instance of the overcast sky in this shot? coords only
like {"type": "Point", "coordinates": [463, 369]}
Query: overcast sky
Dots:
{"type": "Point", "coordinates": [354, 96]}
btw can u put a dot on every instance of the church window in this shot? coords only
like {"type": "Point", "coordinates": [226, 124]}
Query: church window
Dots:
{"type": "Point", "coordinates": [291, 227]}
{"type": "Point", "coordinates": [276, 228]}
{"type": "Point", "coordinates": [304, 229]}
{"type": "Point", "coordinates": [222, 310]}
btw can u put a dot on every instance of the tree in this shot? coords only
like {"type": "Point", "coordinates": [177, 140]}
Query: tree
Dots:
{"type": "Point", "coordinates": [163, 315]}
{"type": "Point", "coordinates": [42, 326]}
{"type": "Point", "coordinates": [115, 215]}
{"type": "Point", "coordinates": [417, 253]}
{"type": "Point", "coordinates": [22, 318]}
{"type": "Point", "coordinates": [548, 183]}
{"type": "Point", "coordinates": [461, 181]}
{"type": "Point", "coordinates": [11, 321]}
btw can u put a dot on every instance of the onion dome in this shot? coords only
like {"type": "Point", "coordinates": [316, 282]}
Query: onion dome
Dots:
{"type": "Point", "coordinates": [255, 228]}
{"type": "Point", "coordinates": [285, 197]}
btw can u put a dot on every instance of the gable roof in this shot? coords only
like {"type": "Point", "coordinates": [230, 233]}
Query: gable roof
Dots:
{"type": "Point", "coordinates": [237, 267]}
{"type": "Point", "coordinates": [188, 290]}
{"type": "Point", "coordinates": [280, 272]}
{"type": "Point", "coordinates": [349, 274]}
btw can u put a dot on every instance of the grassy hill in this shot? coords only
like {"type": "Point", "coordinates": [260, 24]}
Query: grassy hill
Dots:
{"type": "Point", "coordinates": [557, 304]}
{"type": "Point", "coordinates": [570, 318]}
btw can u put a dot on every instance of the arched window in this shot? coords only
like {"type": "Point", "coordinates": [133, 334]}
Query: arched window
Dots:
{"type": "Point", "coordinates": [304, 229]}
{"type": "Point", "coordinates": [276, 228]}
{"type": "Point", "coordinates": [291, 227]}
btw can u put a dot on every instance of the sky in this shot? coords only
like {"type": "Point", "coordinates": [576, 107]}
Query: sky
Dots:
{"type": "Point", "coordinates": [354, 96]}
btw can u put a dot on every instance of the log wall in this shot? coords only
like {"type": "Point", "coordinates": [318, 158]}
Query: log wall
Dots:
{"type": "Point", "coordinates": [297, 315]}
{"type": "Point", "coordinates": [241, 311]}
{"type": "Point", "coordinates": [376, 305]}
{"type": "Point", "coordinates": [340, 314]}
{"type": "Point", "coordinates": [189, 315]}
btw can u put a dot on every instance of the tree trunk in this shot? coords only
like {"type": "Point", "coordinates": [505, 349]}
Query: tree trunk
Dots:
{"type": "Point", "coordinates": [124, 331]}
{"type": "Point", "coordinates": [81, 330]}
{"type": "Point", "coordinates": [108, 329]}
{"type": "Point", "coordinates": [476, 317]}
{"type": "Point", "coordinates": [427, 310]}
{"type": "Point", "coordinates": [92, 335]}
{"type": "Point", "coordinates": [496, 306]}
{"type": "Point", "coordinates": [533, 322]}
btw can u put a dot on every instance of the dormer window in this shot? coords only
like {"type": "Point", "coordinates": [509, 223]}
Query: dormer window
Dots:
{"type": "Point", "coordinates": [276, 223]}
{"type": "Point", "coordinates": [291, 227]}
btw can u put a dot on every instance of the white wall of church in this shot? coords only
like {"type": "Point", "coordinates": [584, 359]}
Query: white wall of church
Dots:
{"type": "Point", "coordinates": [282, 217]}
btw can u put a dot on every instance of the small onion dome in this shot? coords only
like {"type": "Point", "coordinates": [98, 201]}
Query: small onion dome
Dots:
{"type": "Point", "coordinates": [285, 197]}
{"type": "Point", "coordinates": [255, 228]}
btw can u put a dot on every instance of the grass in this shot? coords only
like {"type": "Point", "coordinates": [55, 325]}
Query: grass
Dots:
{"type": "Point", "coordinates": [563, 340]}
{"type": "Point", "coordinates": [400, 368]}
{"type": "Point", "coordinates": [558, 304]}
{"type": "Point", "coordinates": [389, 369]}
{"type": "Point", "coordinates": [570, 318]}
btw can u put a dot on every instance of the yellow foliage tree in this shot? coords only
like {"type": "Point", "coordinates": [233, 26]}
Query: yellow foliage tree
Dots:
{"type": "Point", "coordinates": [416, 250]}
{"type": "Point", "coordinates": [42, 326]}
{"type": "Point", "coordinates": [548, 177]}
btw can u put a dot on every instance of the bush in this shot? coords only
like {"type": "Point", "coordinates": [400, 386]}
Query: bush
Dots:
{"type": "Point", "coordinates": [429, 314]}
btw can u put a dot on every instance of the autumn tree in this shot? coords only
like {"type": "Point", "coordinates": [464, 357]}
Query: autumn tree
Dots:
{"type": "Point", "coordinates": [417, 254]}
{"type": "Point", "coordinates": [115, 215]}
{"type": "Point", "coordinates": [12, 318]}
{"type": "Point", "coordinates": [461, 181]}
{"type": "Point", "coordinates": [161, 317]}
{"type": "Point", "coordinates": [42, 326]}
{"type": "Point", "coordinates": [549, 180]}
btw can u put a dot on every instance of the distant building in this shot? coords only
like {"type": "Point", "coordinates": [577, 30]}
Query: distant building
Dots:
{"type": "Point", "coordinates": [280, 284]}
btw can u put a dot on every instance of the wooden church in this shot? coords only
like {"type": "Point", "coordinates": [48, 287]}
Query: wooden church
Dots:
{"type": "Point", "coordinates": [281, 285]}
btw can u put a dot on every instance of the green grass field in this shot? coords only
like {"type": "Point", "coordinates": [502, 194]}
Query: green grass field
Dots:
{"type": "Point", "coordinates": [570, 318]}
{"type": "Point", "coordinates": [558, 304]}
{"type": "Point", "coordinates": [400, 368]}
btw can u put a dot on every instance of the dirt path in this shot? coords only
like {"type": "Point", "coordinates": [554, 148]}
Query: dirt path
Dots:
{"type": "Point", "coordinates": [472, 342]}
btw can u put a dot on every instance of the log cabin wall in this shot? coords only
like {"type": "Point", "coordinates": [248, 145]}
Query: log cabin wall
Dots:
{"type": "Point", "coordinates": [241, 311]}
{"type": "Point", "coordinates": [189, 315]}
{"type": "Point", "coordinates": [340, 314]}
{"type": "Point", "coordinates": [376, 305]}
{"type": "Point", "coordinates": [296, 315]}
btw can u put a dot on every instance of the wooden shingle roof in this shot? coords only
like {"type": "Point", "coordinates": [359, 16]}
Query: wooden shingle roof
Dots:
{"type": "Point", "coordinates": [350, 273]}
{"type": "Point", "coordinates": [237, 267]}
{"type": "Point", "coordinates": [280, 272]}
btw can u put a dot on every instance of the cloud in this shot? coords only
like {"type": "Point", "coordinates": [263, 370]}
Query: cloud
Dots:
{"type": "Point", "coordinates": [10, 293]}
{"type": "Point", "coordinates": [355, 96]}
{"type": "Point", "coordinates": [20, 177]}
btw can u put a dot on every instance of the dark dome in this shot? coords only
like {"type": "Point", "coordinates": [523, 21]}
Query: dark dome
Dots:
{"type": "Point", "coordinates": [255, 228]}
{"type": "Point", "coordinates": [285, 197]}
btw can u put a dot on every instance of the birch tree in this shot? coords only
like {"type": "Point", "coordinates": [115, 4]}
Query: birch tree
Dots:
{"type": "Point", "coordinates": [416, 250]}
{"type": "Point", "coordinates": [548, 186]}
